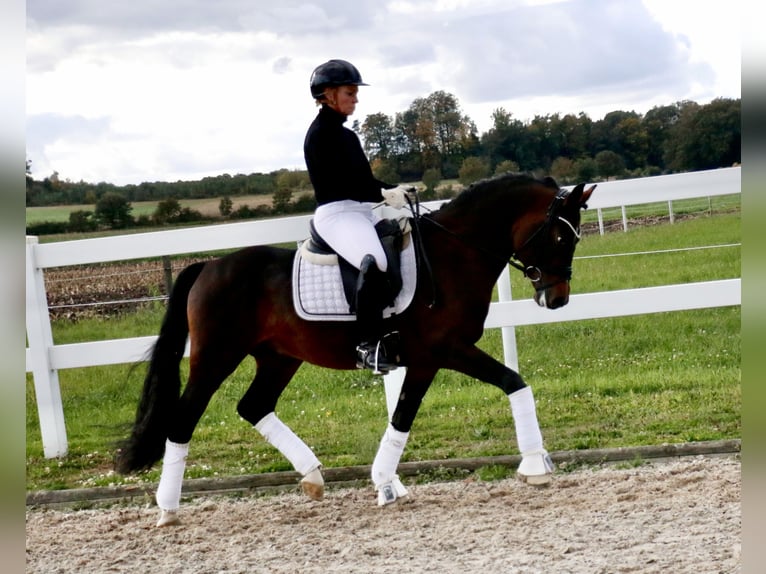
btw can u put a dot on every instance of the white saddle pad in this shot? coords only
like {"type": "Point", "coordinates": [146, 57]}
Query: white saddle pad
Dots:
{"type": "Point", "coordinates": [318, 288]}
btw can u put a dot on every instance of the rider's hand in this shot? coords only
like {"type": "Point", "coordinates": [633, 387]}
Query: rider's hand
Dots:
{"type": "Point", "coordinates": [397, 197]}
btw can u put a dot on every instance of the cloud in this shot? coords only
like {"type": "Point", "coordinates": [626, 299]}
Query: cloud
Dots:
{"type": "Point", "coordinates": [136, 91]}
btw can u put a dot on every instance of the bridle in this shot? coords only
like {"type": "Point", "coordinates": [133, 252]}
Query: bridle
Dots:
{"type": "Point", "coordinates": [533, 272]}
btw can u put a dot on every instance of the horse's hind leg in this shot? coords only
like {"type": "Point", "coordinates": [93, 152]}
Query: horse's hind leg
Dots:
{"type": "Point", "coordinates": [205, 377]}
{"type": "Point", "coordinates": [257, 406]}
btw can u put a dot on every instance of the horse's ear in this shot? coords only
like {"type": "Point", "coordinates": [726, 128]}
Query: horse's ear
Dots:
{"type": "Point", "coordinates": [579, 196]}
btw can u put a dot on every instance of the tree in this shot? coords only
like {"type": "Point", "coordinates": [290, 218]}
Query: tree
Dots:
{"type": "Point", "coordinates": [507, 140]}
{"type": "Point", "coordinates": [658, 123]}
{"type": "Point", "coordinates": [81, 221]}
{"type": "Point", "coordinates": [586, 168]}
{"type": "Point", "coordinates": [473, 169]}
{"type": "Point", "coordinates": [378, 135]}
{"type": "Point", "coordinates": [225, 206]}
{"type": "Point", "coordinates": [294, 179]}
{"type": "Point", "coordinates": [432, 133]}
{"type": "Point", "coordinates": [281, 200]}
{"type": "Point", "coordinates": [167, 210]}
{"type": "Point", "coordinates": [564, 170]}
{"type": "Point", "coordinates": [609, 164]}
{"type": "Point", "coordinates": [506, 166]}
{"type": "Point", "coordinates": [113, 211]}
{"type": "Point", "coordinates": [431, 178]}
{"type": "Point", "coordinates": [633, 142]}
{"type": "Point", "coordinates": [706, 137]}
{"type": "Point", "coordinates": [384, 170]}
{"type": "Point", "coordinates": [573, 134]}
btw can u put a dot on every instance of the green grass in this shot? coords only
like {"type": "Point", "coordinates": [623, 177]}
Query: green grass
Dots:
{"type": "Point", "coordinates": [602, 383]}
{"type": "Point", "coordinates": [207, 206]}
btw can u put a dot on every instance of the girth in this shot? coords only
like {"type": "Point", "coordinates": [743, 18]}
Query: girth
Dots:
{"type": "Point", "coordinates": [391, 238]}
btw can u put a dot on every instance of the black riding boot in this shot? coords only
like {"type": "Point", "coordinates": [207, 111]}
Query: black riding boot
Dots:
{"type": "Point", "coordinates": [371, 295]}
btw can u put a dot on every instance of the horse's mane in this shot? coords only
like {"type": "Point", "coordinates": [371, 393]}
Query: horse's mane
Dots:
{"type": "Point", "coordinates": [504, 183]}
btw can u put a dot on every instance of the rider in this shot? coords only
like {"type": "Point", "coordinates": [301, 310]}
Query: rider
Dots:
{"type": "Point", "coordinates": [346, 192]}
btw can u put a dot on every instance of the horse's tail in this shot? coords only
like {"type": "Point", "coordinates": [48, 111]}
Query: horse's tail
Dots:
{"type": "Point", "coordinates": [162, 385]}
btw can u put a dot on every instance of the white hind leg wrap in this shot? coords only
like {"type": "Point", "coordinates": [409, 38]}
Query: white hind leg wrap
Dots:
{"type": "Point", "coordinates": [279, 435]}
{"type": "Point", "coordinates": [173, 465]}
{"type": "Point", "coordinates": [525, 420]}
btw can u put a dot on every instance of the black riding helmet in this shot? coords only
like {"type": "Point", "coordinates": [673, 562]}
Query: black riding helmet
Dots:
{"type": "Point", "coordinates": [334, 73]}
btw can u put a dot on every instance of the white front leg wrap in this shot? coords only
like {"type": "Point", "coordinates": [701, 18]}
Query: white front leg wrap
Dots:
{"type": "Point", "coordinates": [173, 465]}
{"type": "Point", "coordinates": [536, 466]}
{"type": "Point", "coordinates": [279, 435]}
{"type": "Point", "coordinates": [389, 452]}
{"type": "Point", "coordinates": [525, 420]}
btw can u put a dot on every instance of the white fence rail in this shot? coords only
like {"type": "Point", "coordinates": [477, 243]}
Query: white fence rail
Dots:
{"type": "Point", "coordinates": [44, 359]}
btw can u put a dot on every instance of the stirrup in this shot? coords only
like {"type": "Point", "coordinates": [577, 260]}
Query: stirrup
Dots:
{"type": "Point", "coordinates": [372, 356]}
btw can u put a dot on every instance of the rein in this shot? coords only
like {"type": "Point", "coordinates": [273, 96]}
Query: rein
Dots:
{"type": "Point", "coordinates": [533, 272]}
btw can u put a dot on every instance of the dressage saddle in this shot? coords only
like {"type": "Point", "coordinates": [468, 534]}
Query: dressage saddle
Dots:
{"type": "Point", "coordinates": [391, 238]}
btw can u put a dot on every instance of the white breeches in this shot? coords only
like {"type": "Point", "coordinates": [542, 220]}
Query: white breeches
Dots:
{"type": "Point", "coordinates": [349, 228]}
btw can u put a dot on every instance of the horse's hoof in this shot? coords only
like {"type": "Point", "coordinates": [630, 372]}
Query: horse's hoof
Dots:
{"type": "Point", "coordinates": [536, 468]}
{"type": "Point", "coordinates": [390, 492]}
{"type": "Point", "coordinates": [168, 518]}
{"type": "Point", "coordinates": [313, 485]}
{"type": "Point", "coordinates": [540, 480]}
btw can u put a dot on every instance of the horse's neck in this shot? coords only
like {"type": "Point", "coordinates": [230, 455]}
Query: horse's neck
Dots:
{"type": "Point", "coordinates": [464, 244]}
{"type": "Point", "coordinates": [487, 226]}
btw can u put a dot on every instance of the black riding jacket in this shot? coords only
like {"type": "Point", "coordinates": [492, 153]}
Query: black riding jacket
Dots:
{"type": "Point", "coordinates": [337, 165]}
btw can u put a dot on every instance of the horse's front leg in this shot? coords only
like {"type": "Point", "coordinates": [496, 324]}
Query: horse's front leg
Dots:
{"type": "Point", "coordinates": [384, 477]}
{"type": "Point", "coordinates": [536, 466]}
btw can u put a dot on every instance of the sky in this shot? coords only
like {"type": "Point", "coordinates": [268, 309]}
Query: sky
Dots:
{"type": "Point", "coordinates": [128, 92]}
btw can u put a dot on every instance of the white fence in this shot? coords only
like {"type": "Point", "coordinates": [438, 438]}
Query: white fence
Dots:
{"type": "Point", "coordinates": [44, 358]}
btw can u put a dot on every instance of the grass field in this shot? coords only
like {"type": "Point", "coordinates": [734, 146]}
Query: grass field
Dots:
{"type": "Point", "coordinates": [642, 380]}
{"type": "Point", "coordinates": [207, 206]}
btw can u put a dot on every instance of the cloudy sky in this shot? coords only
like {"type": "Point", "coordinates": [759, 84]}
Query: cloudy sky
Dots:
{"type": "Point", "coordinates": [126, 92]}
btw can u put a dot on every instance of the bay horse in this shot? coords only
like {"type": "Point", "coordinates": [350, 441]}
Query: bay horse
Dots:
{"type": "Point", "coordinates": [241, 304]}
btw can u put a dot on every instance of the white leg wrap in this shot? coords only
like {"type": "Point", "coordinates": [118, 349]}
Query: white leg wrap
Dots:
{"type": "Point", "coordinates": [173, 465]}
{"type": "Point", "coordinates": [536, 465]}
{"type": "Point", "coordinates": [384, 475]}
{"type": "Point", "coordinates": [525, 419]}
{"type": "Point", "coordinates": [279, 435]}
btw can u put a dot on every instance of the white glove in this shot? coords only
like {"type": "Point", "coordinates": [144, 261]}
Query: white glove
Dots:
{"type": "Point", "coordinates": [397, 197]}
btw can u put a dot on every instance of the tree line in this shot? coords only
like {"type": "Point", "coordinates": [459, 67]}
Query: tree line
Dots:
{"type": "Point", "coordinates": [433, 138]}
{"type": "Point", "coordinates": [433, 141]}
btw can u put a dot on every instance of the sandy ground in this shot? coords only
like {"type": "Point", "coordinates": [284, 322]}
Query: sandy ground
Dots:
{"type": "Point", "coordinates": [677, 516]}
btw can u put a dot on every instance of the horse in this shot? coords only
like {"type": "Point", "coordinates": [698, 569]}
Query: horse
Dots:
{"type": "Point", "coordinates": [241, 304]}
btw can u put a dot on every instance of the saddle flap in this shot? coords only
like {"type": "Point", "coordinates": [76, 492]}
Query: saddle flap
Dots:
{"type": "Point", "coordinates": [318, 292]}
{"type": "Point", "coordinates": [394, 235]}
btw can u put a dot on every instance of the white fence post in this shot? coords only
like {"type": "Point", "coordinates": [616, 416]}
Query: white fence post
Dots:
{"type": "Point", "coordinates": [48, 393]}
{"type": "Point", "coordinates": [510, 352]}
